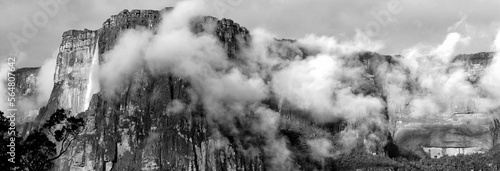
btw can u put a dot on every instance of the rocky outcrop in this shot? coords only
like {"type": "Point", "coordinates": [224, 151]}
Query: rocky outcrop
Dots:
{"type": "Point", "coordinates": [464, 129]}
{"type": "Point", "coordinates": [73, 70]}
{"type": "Point", "coordinates": [80, 53]}
{"type": "Point", "coordinates": [137, 129]}
{"type": "Point", "coordinates": [26, 82]}
{"type": "Point", "coordinates": [474, 63]}
{"type": "Point", "coordinates": [116, 24]}
{"type": "Point", "coordinates": [26, 97]}
{"type": "Point", "coordinates": [459, 131]}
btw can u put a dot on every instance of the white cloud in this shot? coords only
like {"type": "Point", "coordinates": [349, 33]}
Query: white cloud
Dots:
{"type": "Point", "coordinates": [491, 79]}
{"type": "Point", "coordinates": [45, 80]}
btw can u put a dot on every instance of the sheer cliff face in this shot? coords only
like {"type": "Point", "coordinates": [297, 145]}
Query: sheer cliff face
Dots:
{"type": "Point", "coordinates": [26, 81]}
{"type": "Point", "coordinates": [115, 25]}
{"type": "Point", "coordinates": [79, 58]}
{"type": "Point", "coordinates": [138, 129]}
{"type": "Point", "coordinates": [26, 93]}
{"type": "Point", "coordinates": [463, 128]}
{"type": "Point", "coordinates": [151, 124]}
{"type": "Point", "coordinates": [475, 63]}
{"type": "Point", "coordinates": [73, 69]}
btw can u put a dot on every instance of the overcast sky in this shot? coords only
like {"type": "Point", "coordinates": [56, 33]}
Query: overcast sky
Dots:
{"type": "Point", "coordinates": [422, 22]}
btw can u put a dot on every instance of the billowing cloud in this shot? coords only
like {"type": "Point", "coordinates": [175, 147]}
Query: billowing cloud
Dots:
{"type": "Point", "coordinates": [319, 75]}
{"type": "Point", "coordinates": [45, 81]}
{"type": "Point", "coordinates": [491, 79]}
{"type": "Point", "coordinates": [28, 105]}
{"type": "Point", "coordinates": [229, 89]}
{"type": "Point", "coordinates": [309, 84]}
{"type": "Point", "coordinates": [437, 85]}
{"type": "Point", "coordinates": [124, 59]}
{"type": "Point", "coordinates": [417, 22]}
{"type": "Point", "coordinates": [320, 147]}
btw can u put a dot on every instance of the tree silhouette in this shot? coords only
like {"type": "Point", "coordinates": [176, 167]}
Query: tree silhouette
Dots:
{"type": "Point", "coordinates": [5, 139]}
{"type": "Point", "coordinates": [39, 149]}
{"type": "Point", "coordinates": [36, 150]}
{"type": "Point", "coordinates": [64, 129]}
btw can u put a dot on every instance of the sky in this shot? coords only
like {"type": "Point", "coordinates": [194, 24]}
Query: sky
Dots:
{"type": "Point", "coordinates": [399, 24]}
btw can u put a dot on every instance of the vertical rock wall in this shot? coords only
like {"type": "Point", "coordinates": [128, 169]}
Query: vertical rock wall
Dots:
{"type": "Point", "coordinates": [135, 130]}
{"type": "Point", "coordinates": [26, 97]}
{"type": "Point", "coordinates": [73, 69]}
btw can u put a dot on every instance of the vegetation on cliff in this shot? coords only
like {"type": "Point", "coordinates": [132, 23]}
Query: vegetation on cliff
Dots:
{"type": "Point", "coordinates": [40, 148]}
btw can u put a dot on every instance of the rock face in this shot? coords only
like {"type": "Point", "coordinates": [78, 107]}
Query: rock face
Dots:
{"type": "Point", "coordinates": [26, 95]}
{"type": "Point", "coordinates": [79, 54]}
{"type": "Point", "coordinates": [462, 131]}
{"type": "Point", "coordinates": [73, 69]}
{"type": "Point", "coordinates": [465, 131]}
{"type": "Point", "coordinates": [135, 131]}
{"type": "Point", "coordinates": [26, 82]}
{"type": "Point", "coordinates": [115, 25]}
{"type": "Point", "coordinates": [138, 130]}
{"type": "Point", "coordinates": [475, 63]}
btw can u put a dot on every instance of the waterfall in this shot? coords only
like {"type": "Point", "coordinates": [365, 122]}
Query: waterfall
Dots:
{"type": "Point", "coordinates": [280, 105]}
{"type": "Point", "coordinates": [93, 81]}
